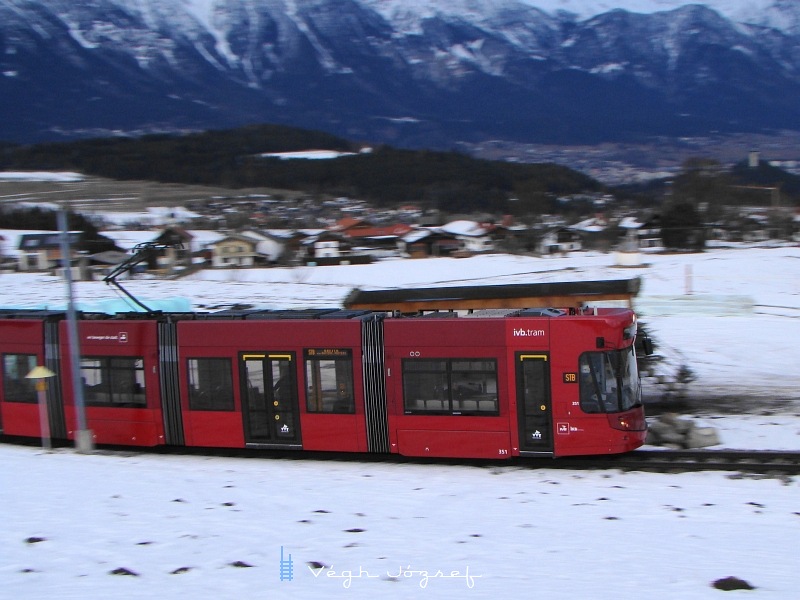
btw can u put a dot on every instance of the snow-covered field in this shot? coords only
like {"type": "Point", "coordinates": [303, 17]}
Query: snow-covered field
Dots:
{"type": "Point", "coordinates": [215, 528]}
{"type": "Point", "coordinates": [211, 527]}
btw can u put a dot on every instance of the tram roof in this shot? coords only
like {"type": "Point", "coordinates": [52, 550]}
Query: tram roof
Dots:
{"type": "Point", "coordinates": [574, 294]}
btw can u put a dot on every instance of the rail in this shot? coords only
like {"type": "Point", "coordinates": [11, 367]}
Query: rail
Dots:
{"type": "Point", "coordinates": [752, 462]}
{"type": "Point", "coordinates": [744, 461]}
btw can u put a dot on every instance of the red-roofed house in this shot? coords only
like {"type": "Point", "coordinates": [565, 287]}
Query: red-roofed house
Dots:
{"type": "Point", "coordinates": [377, 240]}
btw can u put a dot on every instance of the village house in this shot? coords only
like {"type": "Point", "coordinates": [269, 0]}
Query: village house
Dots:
{"type": "Point", "coordinates": [649, 234]}
{"type": "Point", "coordinates": [234, 250]}
{"type": "Point", "coordinates": [429, 241]}
{"type": "Point", "coordinates": [172, 251]}
{"type": "Point", "coordinates": [332, 248]}
{"type": "Point", "coordinates": [457, 238]}
{"type": "Point", "coordinates": [379, 241]}
{"type": "Point", "coordinates": [473, 237]}
{"type": "Point", "coordinates": [42, 251]}
{"type": "Point", "coordinates": [246, 249]}
{"type": "Point", "coordinates": [595, 233]}
{"type": "Point", "coordinates": [508, 236]}
{"type": "Point", "coordinates": [559, 240]}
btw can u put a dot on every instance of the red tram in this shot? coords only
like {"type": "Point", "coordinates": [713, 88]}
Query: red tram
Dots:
{"type": "Point", "coordinates": [491, 384]}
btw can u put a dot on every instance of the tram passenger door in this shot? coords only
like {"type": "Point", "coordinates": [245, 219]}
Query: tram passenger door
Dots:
{"type": "Point", "coordinates": [534, 405]}
{"type": "Point", "coordinates": [269, 400]}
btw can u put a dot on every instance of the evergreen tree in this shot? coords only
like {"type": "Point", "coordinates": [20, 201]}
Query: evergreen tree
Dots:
{"type": "Point", "coordinates": [681, 227]}
{"type": "Point", "coordinates": [47, 220]}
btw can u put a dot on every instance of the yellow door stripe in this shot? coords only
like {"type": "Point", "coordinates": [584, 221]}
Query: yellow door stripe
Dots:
{"type": "Point", "coordinates": [252, 356]}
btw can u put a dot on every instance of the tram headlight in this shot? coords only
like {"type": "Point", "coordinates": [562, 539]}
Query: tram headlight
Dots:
{"type": "Point", "coordinates": [631, 421]}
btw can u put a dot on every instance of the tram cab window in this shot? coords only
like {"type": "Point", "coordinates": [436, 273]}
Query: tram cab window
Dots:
{"type": "Point", "coordinates": [609, 381]}
{"type": "Point", "coordinates": [329, 381]}
{"type": "Point", "coordinates": [15, 387]}
{"type": "Point", "coordinates": [210, 384]}
{"type": "Point", "coordinates": [113, 381]}
{"type": "Point", "coordinates": [450, 386]}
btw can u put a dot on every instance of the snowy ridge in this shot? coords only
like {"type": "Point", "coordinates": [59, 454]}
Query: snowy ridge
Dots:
{"type": "Point", "coordinates": [422, 73]}
{"type": "Point", "coordinates": [780, 14]}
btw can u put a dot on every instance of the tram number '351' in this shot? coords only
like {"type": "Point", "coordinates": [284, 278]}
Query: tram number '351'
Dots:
{"type": "Point", "coordinates": [502, 452]}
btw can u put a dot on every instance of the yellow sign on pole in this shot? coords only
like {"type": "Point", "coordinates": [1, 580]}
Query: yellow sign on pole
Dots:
{"type": "Point", "coordinates": [39, 372]}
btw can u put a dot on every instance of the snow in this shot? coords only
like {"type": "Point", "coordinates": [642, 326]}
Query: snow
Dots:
{"type": "Point", "coordinates": [466, 228]}
{"type": "Point", "coordinates": [381, 528]}
{"type": "Point", "coordinates": [308, 154]}
{"type": "Point", "coordinates": [49, 176]}
{"type": "Point", "coordinates": [408, 529]}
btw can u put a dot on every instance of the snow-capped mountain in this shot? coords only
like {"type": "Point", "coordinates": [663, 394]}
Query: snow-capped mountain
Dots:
{"type": "Point", "coordinates": [779, 14]}
{"type": "Point", "coordinates": [410, 72]}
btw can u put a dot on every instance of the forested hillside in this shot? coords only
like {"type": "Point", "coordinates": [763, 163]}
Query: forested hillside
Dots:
{"type": "Point", "coordinates": [384, 176]}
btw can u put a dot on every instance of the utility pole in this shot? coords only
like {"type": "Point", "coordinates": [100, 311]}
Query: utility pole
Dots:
{"type": "Point", "coordinates": [83, 436]}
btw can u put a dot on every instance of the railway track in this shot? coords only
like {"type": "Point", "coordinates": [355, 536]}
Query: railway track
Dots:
{"type": "Point", "coordinates": [754, 462]}
{"type": "Point", "coordinates": [743, 461]}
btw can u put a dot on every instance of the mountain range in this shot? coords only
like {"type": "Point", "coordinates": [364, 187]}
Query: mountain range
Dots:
{"type": "Point", "coordinates": [414, 73]}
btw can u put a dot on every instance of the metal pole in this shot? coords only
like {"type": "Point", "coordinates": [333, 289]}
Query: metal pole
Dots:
{"type": "Point", "coordinates": [44, 423]}
{"type": "Point", "coordinates": [40, 375]}
{"type": "Point", "coordinates": [83, 436]}
{"type": "Point", "coordinates": [688, 276]}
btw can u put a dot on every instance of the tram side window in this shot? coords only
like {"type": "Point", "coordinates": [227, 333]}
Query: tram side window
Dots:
{"type": "Point", "coordinates": [329, 382]}
{"type": "Point", "coordinates": [210, 384]}
{"type": "Point", "coordinates": [15, 387]}
{"type": "Point", "coordinates": [450, 386]}
{"type": "Point", "coordinates": [113, 381]}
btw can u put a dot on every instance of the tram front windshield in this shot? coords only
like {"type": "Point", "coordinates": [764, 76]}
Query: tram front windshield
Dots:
{"type": "Point", "coordinates": [609, 381]}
